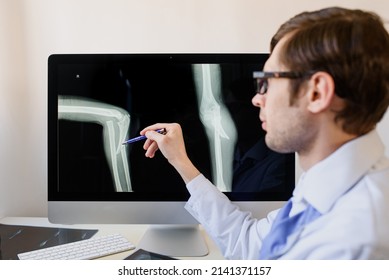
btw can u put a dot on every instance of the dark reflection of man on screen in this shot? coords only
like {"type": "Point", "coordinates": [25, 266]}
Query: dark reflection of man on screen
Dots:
{"type": "Point", "coordinates": [260, 169]}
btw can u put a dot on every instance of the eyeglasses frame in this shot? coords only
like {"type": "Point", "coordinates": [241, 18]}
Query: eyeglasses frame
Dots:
{"type": "Point", "coordinates": [261, 78]}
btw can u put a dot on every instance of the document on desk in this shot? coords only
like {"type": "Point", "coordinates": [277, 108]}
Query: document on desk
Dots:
{"type": "Point", "coordinates": [15, 239]}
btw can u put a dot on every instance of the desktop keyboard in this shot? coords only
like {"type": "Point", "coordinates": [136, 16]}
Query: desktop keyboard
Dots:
{"type": "Point", "coordinates": [81, 250]}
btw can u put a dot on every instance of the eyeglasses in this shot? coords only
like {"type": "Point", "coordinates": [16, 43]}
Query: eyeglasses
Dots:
{"type": "Point", "coordinates": [261, 79]}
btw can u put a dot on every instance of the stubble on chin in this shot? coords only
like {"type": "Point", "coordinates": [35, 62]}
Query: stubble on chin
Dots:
{"type": "Point", "coordinates": [293, 139]}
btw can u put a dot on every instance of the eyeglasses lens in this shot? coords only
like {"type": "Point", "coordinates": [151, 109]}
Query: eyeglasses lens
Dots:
{"type": "Point", "coordinates": [261, 86]}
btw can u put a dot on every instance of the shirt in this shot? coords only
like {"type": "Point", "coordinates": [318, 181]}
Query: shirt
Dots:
{"type": "Point", "coordinates": [350, 189]}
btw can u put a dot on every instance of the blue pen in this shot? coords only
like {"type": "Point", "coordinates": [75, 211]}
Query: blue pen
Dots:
{"type": "Point", "coordinates": [142, 137]}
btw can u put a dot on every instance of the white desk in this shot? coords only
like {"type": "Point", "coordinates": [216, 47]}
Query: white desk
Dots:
{"type": "Point", "coordinates": [132, 232]}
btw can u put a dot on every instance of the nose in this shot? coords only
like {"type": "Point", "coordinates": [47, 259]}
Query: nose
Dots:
{"type": "Point", "coordinates": [258, 100]}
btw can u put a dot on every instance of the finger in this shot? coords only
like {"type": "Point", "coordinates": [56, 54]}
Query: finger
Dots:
{"type": "Point", "coordinates": [147, 144]}
{"type": "Point", "coordinates": [150, 151]}
{"type": "Point", "coordinates": [154, 135]}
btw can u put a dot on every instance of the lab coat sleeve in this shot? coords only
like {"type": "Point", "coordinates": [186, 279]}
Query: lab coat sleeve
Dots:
{"type": "Point", "coordinates": [236, 232]}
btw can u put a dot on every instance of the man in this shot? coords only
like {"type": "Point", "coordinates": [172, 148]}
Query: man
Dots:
{"type": "Point", "coordinates": [323, 90]}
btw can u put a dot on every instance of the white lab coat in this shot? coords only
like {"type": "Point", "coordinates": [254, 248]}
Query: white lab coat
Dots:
{"type": "Point", "coordinates": [350, 188]}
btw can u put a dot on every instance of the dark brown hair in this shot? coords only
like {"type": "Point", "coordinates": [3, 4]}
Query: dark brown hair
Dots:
{"type": "Point", "coordinates": [353, 47]}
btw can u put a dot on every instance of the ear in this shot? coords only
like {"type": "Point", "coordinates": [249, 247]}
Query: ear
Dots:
{"type": "Point", "coordinates": [321, 92]}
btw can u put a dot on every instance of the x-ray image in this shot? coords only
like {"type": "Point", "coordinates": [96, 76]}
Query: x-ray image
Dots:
{"type": "Point", "coordinates": [218, 123]}
{"type": "Point", "coordinates": [101, 106]}
{"type": "Point", "coordinates": [115, 122]}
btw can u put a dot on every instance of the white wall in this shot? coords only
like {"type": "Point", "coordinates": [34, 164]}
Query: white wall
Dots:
{"type": "Point", "coordinates": [30, 30]}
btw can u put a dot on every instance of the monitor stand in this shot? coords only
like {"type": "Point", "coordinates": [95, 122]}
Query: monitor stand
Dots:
{"type": "Point", "coordinates": [174, 240]}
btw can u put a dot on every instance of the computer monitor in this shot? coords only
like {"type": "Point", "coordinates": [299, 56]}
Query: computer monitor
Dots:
{"type": "Point", "coordinates": [98, 101]}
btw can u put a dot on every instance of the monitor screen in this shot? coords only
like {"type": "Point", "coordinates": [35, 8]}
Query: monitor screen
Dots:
{"type": "Point", "coordinates": [98, 101]}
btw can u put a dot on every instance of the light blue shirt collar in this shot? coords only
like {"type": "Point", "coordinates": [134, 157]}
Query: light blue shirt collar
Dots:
{"type": "Point", "coordinates": [324, 183]}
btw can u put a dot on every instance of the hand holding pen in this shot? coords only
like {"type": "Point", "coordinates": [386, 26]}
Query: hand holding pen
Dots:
{"type": "Point", "coordinates": [171, 143]}
{"type": "Point", "coordinates": [172, 146]}
{"type": "Point", "coordinates": [142, 137]}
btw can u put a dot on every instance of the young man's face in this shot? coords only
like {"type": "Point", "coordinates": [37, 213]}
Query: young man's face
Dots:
{"type": "Point", "coordinates": [288, 127]}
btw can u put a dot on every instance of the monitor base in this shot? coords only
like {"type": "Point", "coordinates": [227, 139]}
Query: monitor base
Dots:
{"type": "Point", "coordinates": [174, 241]}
